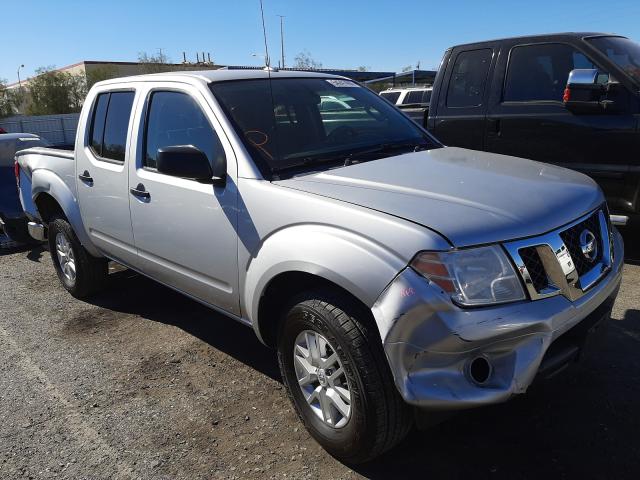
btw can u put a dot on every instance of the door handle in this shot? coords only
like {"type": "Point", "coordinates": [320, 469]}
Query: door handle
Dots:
{"type": "Point", "coordinates": [85, 177]}
{"type": "Point", "coordinates": [140, 191]}
{"type": "Point", "coordinates": [494, 124]}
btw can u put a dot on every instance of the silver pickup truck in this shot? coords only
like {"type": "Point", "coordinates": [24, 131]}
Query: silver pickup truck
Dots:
{"type": "Point", "coordinates": [393, 275]}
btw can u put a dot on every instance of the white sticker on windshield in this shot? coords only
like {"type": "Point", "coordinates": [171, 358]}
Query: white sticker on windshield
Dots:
{"type": "Point", "coordinates": [342, 83]}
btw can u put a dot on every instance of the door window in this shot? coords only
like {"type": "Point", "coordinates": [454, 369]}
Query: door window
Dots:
{"type": "Point", "coordinates": [174, 118]}
{"type": "Point", "coordinates": [110, 124]}
{"type": "Point", "coordinates": [468, 78]}
{"type": "Point", "coordinates": [540, 72]}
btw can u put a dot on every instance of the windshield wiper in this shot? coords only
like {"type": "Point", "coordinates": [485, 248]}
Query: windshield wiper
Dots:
{"type": "Point", "coordinates": [356, 157]}
{"type": "Point", "coordinates": [342, 159]}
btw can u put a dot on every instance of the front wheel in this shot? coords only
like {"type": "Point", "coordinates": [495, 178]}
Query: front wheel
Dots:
{"type": "Point", "coordinates": [338, 379]}
{"type": "Point", "coordinates": [81, 274]}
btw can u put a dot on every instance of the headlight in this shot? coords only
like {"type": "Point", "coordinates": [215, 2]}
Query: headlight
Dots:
{"type": "Point", "coordinates": [473, 277]}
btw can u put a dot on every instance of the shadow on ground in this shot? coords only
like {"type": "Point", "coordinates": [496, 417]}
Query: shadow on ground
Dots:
{"type": "Point", "coordinates": [582, 424]}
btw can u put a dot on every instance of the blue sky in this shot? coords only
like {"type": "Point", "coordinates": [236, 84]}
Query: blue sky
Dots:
{"type": "Point", "coordinates": [340, 34]}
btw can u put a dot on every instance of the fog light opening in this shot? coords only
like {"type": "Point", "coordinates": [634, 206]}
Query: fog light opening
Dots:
{"type": "Point", "coordinates": [480, 370]}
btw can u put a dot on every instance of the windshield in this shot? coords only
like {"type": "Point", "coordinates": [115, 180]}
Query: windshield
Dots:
{"type": "Point", "coordinates": [311, 121]}
{"type": "Point", "coordinates": [621, 51]}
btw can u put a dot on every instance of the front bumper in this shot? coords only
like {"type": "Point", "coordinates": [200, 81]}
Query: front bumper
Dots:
{"type": "Point", "coordinates": [430, 342]}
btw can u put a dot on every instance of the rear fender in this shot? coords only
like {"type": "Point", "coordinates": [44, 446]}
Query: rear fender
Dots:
{"type": "Point", "coordinates": [47, 182]}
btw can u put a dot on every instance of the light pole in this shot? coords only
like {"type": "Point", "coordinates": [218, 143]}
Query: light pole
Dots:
{"type": "Point", "coordinates": [281, 38]}
{"type": "Point", "coordinates": [19, 82]}
{"type": "Point", "coordinates": [266, 59]}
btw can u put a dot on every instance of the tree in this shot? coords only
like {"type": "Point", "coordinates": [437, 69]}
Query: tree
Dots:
{"type": "Point", "coordinates": [303, 60]}
{"type": "Point", "coordinates": [100, 73]}
{"type": "Point", "coordinates": [408, 68]}
{"type": "Point", "coordinates": [52, 92]}
{"type": "Point", "coordinates": [155, 63]}
{"type": "Point", "coordinates": [8, 99]}
{"type": "Point", "coordinates": [362, 68]}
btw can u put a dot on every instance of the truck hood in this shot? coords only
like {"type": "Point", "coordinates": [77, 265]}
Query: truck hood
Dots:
{"type": "Point", "coordinates": [467, 196]}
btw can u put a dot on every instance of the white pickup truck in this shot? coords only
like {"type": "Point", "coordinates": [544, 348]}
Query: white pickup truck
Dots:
{"type": "Point", "coordinates": [394, 275]}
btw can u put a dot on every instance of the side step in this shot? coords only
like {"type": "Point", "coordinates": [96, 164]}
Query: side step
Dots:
{"type": "Point", "coordinates": [620, 220]}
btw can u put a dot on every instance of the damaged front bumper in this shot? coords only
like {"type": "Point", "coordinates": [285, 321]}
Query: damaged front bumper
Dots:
{"type": "Point", "coordinates": [446, 357]}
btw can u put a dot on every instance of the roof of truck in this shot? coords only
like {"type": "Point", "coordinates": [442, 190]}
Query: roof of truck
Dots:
{"type": "Point", "coordinates": [13, 136]}
{"type": "Point", "coordinates": [222, 75]}
{"type": "Point", "coordinates": [548, 36]}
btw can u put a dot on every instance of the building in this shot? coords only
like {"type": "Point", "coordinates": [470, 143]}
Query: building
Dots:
{"type": "Point", "coordinates": [100, 70]}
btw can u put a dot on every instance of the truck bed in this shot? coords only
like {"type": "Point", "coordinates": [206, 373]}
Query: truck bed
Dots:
{"type": "Point", "coordinates": [47, 161]}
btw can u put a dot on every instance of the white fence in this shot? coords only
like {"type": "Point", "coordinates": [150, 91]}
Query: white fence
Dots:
{"type": "Point", "coordinates": [57, 129]}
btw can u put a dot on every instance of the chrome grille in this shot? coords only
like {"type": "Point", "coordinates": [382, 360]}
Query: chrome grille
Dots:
{"type": "Point", "coordinates": [571, 238]}
{"type": "Point", "coordinates": [564, 262]}
{"type": "Point", "coordinates": [535, 268]}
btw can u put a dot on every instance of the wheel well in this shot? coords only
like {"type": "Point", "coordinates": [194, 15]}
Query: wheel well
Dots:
{"type": "Point", "coordinates": [283, 288]}
{"type": "Point", "coordinates": [48, 207]}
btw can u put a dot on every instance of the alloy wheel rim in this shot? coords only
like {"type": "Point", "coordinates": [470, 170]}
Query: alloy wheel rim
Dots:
{"type": "Point", "coordinates": [322, 379]}
{"type": "Point", "coordinates": [66, 259]}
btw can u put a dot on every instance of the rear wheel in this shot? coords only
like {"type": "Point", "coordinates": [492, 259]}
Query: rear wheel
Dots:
{"type": "Point", "coordinates": [338, 378]}
{"type": "Point", "coordinates": [80, 273]}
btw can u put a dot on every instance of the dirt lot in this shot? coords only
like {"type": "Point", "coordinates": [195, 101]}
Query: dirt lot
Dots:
{"type": "Point", "coordinates": [144, 383]}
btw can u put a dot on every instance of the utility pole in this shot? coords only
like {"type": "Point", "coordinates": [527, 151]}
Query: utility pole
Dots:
{"type": "Point", "coordinates": [19, 82]}
{"type": "Point", "coordinates": [281, 39]}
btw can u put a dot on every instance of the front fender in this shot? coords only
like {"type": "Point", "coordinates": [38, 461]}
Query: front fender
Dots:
{"type": "Point", "coordinates": [359, 265]}
{"type": "Point", "coordinates": [45, 181]}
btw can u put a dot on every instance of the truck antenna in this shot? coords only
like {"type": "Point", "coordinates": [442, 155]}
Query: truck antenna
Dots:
{"type": "Point", "coordinates": [264, 33]}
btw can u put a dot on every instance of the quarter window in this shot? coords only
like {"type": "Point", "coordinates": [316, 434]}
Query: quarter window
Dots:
{"type": "Point", "coordinates": [414, 96]}
{"type": "Point", "coordinates": [97, 129]}
{"type": "Point", "coordinates": [468, 78]}
{"type": "Point", "coordinates": [540, 72]}
{"type": "Point", "coordinates": [110, 124]}
{"type": "Point", "coordinates": [175, 118]}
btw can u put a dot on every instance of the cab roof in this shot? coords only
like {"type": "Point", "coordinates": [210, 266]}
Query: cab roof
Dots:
{"type": "Point", "coordinates": [544, 36]}
{"type": "Point", "coordinates": [222, 75]}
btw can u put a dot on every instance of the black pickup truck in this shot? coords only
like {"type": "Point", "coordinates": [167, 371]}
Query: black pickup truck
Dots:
{"type": "Point", "coordinates": [570, 99]}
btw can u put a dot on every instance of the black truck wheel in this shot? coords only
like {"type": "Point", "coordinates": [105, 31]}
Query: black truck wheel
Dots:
{"type": "Point", "coordinates": [338, 378]}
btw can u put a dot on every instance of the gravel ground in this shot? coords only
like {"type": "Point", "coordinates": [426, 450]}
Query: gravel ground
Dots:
{"type": "Point", "coordinates": [144, 383]}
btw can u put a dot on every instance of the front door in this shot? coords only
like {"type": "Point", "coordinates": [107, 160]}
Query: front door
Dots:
{"type": "Point", "coordinates": [185, 231]}
{"type": "Point", "coordinates": [101, 174]}
{"type": "Point", "coordinates": [527, 118]}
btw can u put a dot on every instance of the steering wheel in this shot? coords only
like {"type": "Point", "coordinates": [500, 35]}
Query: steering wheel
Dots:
{"type": "Point", "coordinates": [342, 134]}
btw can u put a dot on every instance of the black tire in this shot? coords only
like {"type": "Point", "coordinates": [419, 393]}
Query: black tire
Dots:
{"type": "Point", "coordinates": [379, 417]}
{"type": "Point", "coordinates": [90, 272]}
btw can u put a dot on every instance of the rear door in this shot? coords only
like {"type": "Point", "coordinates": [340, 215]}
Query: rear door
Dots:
{"type": "Point", "coordinates": [185, 231]}
{"type": "Point", "coordinates": [528, 119]}
{"type": "Point", "coordinates": [460, 113]}
{"type": "Point", "coordinates": [101, 170]}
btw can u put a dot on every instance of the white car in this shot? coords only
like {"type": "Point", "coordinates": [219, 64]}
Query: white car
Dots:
{"type": "Point", "coordinates": [408, 96]}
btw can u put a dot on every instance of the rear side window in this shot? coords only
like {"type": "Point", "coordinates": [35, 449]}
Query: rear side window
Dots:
{"type": "Point", "coordinates": [540, 72]}
{"type": "Point", "coordinates": [174, 118]}
{"type": "Point", "coordinates": [110, 124]}
{"type": "Point", "coordinates": [391, 96]}
{"type": "Point", "coordinates": [414, 96]}
{"type": "Point", "coordinates": [466, 86]}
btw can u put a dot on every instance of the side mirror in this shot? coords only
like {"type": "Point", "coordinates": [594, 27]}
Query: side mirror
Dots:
{"type": "Point", "coordinates": [586, 91]}
{"type": "Point", "coordinates": [187, 161]}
